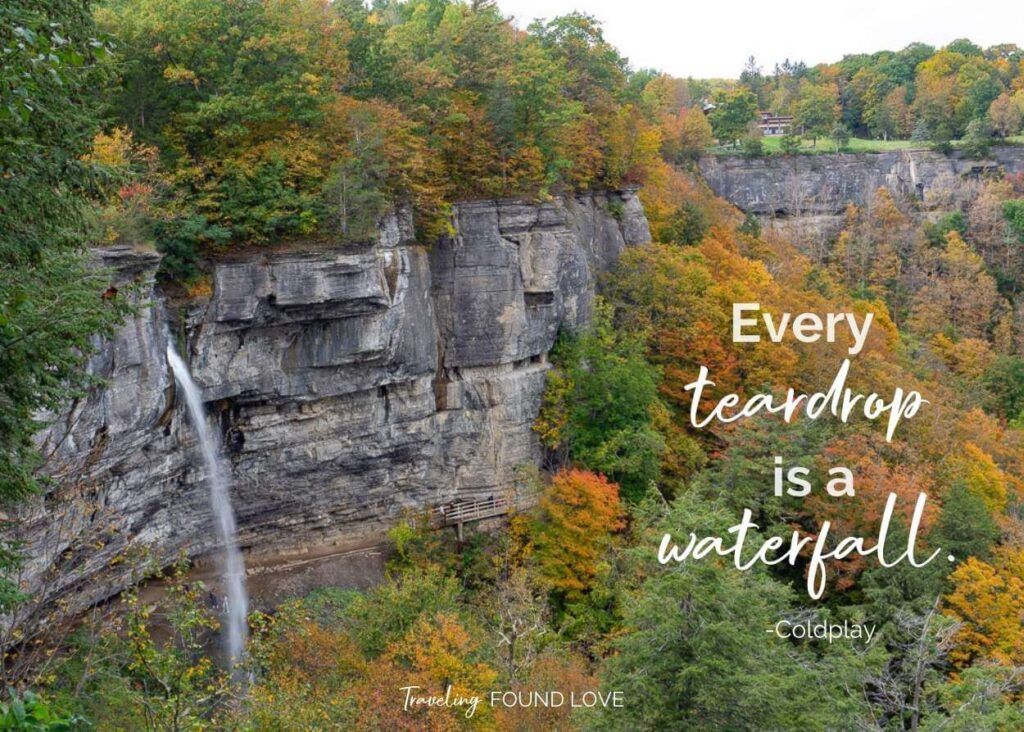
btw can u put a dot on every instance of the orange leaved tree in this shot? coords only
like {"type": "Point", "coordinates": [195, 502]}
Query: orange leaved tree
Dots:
{"type": "Point", "coordinates": [989, 600]}
{"type": "Point", "coordinates": [580, 512]}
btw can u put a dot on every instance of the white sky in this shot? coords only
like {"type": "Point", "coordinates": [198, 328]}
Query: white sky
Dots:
{"type": "Point", "coordinates": [713, 38]}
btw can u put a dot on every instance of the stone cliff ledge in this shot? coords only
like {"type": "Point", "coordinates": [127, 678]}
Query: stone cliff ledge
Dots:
{"type": "Point", "coordinates": [350, 385]}
{"type": "Point", "coordinates": [805, 196]}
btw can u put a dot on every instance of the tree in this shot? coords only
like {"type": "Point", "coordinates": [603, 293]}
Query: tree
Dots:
{"type": "Point", "coordinates": [966, 527]}
{"type": "Point", "coordinates": [984, 696]}
{"type": "Point", "coordinates": [816, 110]}
{"type": "Point", "coordinates": [888, 116]}
{"type": "Point", "coordinates": [978, 85]}
{"type": "Point", "coordinates": [599, 406]}
{"type": "Point", "coordinates": [50, 305]}
{"type": "Point", "coordinates": [840, 136]}
{"type": "Point", "coordinates": [734, 110]}
{"type": "Point", "coordinates": [695, 654]}
{"type": "Point", "coordinates": [959, 294]}
{"type": "Point", "coordinates": [234, 97]}
{"type": "Point", "coordinates": [753, 145]}
{"type": "Point", "coordinates": [554, 669]}
{"type": "Point", "coordinates": [667, 95]}
{"type": "Point", "coordinates": [989, 231]}
{"type": "Point", "coordinates": [936, 95]}
{"type": "Point", "coordinates": [307, 662]}
{"type": "Point", "coordinates": [978, 139]}
{"type": "Point", "coordinates": [440, 656]}
{"type": "Point", "coordinates": [579, 513]}
{"type": "Point", "coordinates": [595, 67]}
{"type": "Point", "coordinates": [1004, 382]}
{"type": "Point", "coordinates": [790, 144]}
{"type": "Point", "coordinates": [688, 224]}
{"type": "Point", "coordinates": [936, 232]}
{"type": "Point", "coordinates": [989, 600]}
{"type": "Point", "coordinates": [1017, 98]}
{"type": "Point", "coordinates": [751, 226]}
{"type": "Point", "coordinates": [145, 667]}
{"type": "Point", "coordinates": [752, 78]}
{"type": "Point", "coordinates": [867, 252]}
{"type": "Point", "coordinates": [1013, 213]}
{"type": "Point", "coordinates": [965, 47]}
{"type": "Point", "coordinates": [1005, 116]}
{"type": "Point", "coordinates": [981, 477]}
{"type": "Point", "coordinates": [920, 641]}
{"type": "Point", "coordinates": [694, 133]}
{"type": "Point", "coordinates": [921, 132]}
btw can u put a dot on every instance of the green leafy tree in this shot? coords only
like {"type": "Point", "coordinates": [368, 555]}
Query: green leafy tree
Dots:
{"type": "Point", "coordinates": [753, 78]}
{"type": "Point", "coordinates": [816, 111]}
{"type": "Point", "coordinates": [147, 666]}
{"type": "Point", "coordinates": [978, 139]}
{"type": "Point", "coordinates": [921, 132]}
{"type": "Point", "coordinates": [966, 527]}
{"type": "Point", "coordinates": [734, 110]}
{"type": "Point", "coordinates": [695, 654]}
{"type": "Point", "coordinates": [688, 224]}
{"type": "Point", "coordinates": [1013, 213]}
{"type": "Point", "coordinates": [32, 713]}
{"type": "Point", "coordinates": [840, 136]}
{"type": "Point", "coordinates": [354, 192]}
{"type": "Point", "coordinates": [1004, 382]}
{"type": "Point", "coordinates": [887, 116]}
{"type": "Point", "coordinates": [983, 697]}
{"type": "Point", "coordinates": [790, 144]}
{"type": "Point", "coordinates": [936, 233]}
{"type": "Point", "coordinates": [599, 406]}
{"type": "Point", "coordinates": [979, 85]}
{"type": "Point", "coordinates": [50, 305]}
{"type": "Point", "coordinates": [751, 226]}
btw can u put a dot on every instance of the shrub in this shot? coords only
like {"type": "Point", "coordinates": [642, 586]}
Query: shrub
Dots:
{"type": "Point", "coordinates": [840, 134]}
{"type": "Point", "coordinates": [753, 147]}
{"type": "Point", "coordinates": [791, 144]}
{"type": "Point", "coordinates": [32, 713]}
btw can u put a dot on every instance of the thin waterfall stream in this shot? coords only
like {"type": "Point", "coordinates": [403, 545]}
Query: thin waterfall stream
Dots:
{"type": "Point", "coordinates": [232, 565]}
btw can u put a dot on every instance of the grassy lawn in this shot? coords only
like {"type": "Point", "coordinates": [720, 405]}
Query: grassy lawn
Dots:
{"type": "Point", "coordinates": [773, 146]}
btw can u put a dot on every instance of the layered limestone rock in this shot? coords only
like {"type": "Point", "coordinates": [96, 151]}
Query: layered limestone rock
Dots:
{"type": "Point", "coordinates": [351, 384]}
{"type": "Point", "coordinates": [805, 196]}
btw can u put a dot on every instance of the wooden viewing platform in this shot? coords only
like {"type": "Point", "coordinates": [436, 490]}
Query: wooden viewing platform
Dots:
{"type": "Point", "coordinates": [459, 513]}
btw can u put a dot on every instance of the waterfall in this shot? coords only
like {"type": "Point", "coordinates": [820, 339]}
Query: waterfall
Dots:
{"type": "Point", "coordinates": [232, 566]}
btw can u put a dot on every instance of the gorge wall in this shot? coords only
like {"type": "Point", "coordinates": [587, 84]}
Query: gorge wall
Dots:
{"type": "Point", "coordinates": [350, 384]}
{"type": "Point", "coordinates": [805, 196]}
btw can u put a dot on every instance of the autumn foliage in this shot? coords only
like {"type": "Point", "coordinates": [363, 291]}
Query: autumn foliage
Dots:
{"type": "Point", "coordinates": [580, 512]}
{"type": "Point", "coordinates": [989, 600]}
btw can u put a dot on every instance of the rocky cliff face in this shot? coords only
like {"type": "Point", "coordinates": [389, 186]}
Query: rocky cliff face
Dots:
{"type": "Point", "coordinates": [349, 383]}
{"type": "Point", "coordinates": [806, 195]}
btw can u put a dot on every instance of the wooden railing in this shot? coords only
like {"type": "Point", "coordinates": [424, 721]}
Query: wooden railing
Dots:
{"type": "Point", "coordinates": [467, 511]}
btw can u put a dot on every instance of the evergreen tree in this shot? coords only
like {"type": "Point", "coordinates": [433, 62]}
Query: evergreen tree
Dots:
{"type": "Point", "coordinates": [696, 654]}
{"type": "Point", "coordinates": [600, 403]}
{"type": "Point", "coordinates": [50, 305]}
{"type": "Point", "coordinates": [978, 139]}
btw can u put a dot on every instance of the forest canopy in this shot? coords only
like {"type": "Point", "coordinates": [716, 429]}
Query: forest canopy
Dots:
{"type": "Point", "coordinates": [299, 118]}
